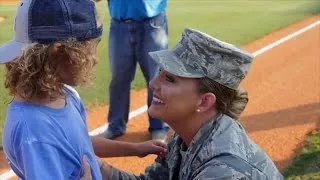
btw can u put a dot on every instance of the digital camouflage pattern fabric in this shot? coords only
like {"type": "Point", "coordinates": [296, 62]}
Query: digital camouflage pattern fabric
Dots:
{"type": "Point", "coordinates": [221, 149]}
{"type": "Point", "coordinates": [200, 55]}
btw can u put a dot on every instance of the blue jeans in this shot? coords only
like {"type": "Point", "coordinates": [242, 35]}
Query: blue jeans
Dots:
{"type": "Point", "coordinates": [129, 44]}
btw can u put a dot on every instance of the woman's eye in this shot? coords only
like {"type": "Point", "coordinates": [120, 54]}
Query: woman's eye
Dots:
{"type": "Point", "coordinates": [169, 79]}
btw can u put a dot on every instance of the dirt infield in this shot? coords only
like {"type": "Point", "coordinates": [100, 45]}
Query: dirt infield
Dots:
{"type": "Point", "coordinates": [284, 106]}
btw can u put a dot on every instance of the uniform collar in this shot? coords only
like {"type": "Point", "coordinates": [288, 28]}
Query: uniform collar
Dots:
{"type": "Point", "coordinates": [204, 132]}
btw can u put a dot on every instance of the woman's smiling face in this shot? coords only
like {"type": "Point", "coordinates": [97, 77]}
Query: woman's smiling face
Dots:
{"type": "Point", "coordinates": [174, 97]}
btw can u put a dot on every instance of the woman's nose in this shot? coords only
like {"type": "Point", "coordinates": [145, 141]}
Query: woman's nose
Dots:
{"type": "Point", "coordinates": [153, 84]}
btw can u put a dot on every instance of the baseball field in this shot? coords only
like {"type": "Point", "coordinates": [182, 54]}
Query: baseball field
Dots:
{"type": "Point", "coordinates": [283, 85]}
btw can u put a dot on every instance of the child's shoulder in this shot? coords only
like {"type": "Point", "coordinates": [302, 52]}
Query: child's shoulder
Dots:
{"type": "Point", "coordinates": [26, 113]}
{"type": "Point", "coordinates": [19, 111]}
{"type": "Point", "coordinates": [26, 121]}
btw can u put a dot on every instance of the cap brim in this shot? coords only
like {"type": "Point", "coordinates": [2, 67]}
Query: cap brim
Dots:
{"type": "Point", "coordinates": [10, 51]}
{"type": "Point", "coordinates": [169, 62]}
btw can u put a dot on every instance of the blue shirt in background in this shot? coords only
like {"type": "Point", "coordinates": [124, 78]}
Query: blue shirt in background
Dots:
{"type": "Point", "coordinates": [136, 9]}
{"type": "Point", "coordinates": [45, 143]}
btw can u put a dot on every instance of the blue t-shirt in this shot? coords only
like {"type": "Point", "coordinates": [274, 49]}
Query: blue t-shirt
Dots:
{"type": "Point", "coordinates": [136, 9]}
{"type": "Point", "coordinates": [46, 143]}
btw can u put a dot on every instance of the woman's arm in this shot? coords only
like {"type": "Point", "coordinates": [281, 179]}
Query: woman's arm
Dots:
{"type": "Point", "coordinates": [157, 171]}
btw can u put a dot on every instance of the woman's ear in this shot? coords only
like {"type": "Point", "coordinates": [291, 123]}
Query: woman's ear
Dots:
{"type": "Point", "coordinates": [206, 102]}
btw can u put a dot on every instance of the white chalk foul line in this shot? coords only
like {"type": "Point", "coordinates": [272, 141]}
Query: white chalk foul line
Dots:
{"type": "Point", "coordinates": [7, 175]}
{"type": "Point", "coordinates": [284, 39]}
{"type": "Point", "coordinates": [132, 114]}
{"type": "Point", "coordinates": [143, 109]}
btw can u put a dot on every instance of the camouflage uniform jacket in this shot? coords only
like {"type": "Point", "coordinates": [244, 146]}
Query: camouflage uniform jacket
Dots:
{"type": "Point", "coordinates": [220, 150]}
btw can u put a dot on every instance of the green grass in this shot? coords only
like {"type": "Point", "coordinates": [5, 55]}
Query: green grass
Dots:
{"type": "Point", "coordinates": [5, 35]}
{"type": "Point", "coordinates": [307, 164]}
{"type": "Point", "coordinates": [236, 21]}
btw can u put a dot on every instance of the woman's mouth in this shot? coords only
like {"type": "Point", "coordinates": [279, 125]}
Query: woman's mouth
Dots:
{"type": "Point", "coordinates": [157, 101]}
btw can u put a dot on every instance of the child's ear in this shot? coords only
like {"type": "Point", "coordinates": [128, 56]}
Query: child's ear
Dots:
{"type": "Point", "coordinates": [54, 48]}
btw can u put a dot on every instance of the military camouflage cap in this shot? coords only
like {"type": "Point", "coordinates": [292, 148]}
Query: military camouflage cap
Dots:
{"type": "Point", "coordinates": [199, 55]}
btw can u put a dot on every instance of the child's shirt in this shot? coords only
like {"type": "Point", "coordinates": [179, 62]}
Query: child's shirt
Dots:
{"type": "Point", "coordinates": [45, 143]}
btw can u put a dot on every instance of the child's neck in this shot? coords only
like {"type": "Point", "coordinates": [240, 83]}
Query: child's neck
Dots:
{"type": "Point", "coordinates": [56, 104]}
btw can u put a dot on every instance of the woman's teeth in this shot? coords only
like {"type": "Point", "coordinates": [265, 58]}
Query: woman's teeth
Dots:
{"type": "Point", "coordinates": [157, 100]}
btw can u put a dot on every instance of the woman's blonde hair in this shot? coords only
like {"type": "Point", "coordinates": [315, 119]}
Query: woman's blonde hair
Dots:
{"type": "Point", "coordinates": [37, 74]}
{"type": "Point", "coordinates": [228, 101]}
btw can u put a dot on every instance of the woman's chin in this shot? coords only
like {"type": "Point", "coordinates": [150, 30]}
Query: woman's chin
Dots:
{"type": "Point", "coordinates": [154, 112]}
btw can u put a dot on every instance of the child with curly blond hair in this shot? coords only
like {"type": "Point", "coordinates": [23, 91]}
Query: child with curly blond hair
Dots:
{"type": "Point", "coordinates": [45, 135]}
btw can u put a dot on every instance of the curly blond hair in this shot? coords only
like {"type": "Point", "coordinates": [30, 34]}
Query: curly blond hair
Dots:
{"type": "Point", "coordinates": [41, 72]}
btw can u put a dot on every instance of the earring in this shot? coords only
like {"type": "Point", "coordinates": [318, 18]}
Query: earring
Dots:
{"type": "Point", "coordinates": [198, 110]}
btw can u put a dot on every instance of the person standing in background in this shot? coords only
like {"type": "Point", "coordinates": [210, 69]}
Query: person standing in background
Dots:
{"type": "Point", "coordinates": [137, 27]}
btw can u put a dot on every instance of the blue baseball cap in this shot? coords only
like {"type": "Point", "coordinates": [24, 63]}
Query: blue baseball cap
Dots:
{"type": "Point", "coordinates": [48, 21]}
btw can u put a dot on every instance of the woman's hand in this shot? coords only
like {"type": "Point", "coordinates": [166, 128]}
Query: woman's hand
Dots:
{"type": "Point", "coordinates": [151, 147]}
{"type": "Point", "coordinates": [86, 169]}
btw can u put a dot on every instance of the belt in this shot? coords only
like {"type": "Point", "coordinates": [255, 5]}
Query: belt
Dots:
{"type": "Point", "coordinates": [131, 20]}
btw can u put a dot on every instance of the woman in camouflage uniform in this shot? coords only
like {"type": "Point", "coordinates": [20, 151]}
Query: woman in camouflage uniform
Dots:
{"type": "Point", "coordinates": [197, 93]}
